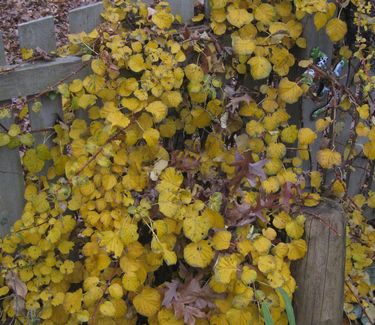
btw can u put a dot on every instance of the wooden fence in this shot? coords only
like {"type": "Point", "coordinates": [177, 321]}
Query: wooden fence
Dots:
{"type": "Point", "coordinates": [31, 79]}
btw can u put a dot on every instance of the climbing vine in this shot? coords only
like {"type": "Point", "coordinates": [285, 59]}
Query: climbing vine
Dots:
{"type": "Point", "coordinates": [172, 189]}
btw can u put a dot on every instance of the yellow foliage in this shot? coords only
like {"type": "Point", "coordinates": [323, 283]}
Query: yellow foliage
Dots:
{"type": "Point", "coordinates": [177, 164]}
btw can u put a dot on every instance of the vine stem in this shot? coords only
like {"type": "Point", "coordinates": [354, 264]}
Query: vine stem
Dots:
{"type": "Point", "coordinates": [324, 222]}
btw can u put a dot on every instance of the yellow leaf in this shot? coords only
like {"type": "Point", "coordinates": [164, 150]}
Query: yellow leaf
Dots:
{"type": "Point", "coordinates": [262, 245]}
{"type": "Point", "coordinates": [198, 254]}
{"type": "Point", "coordinates": [328, 158]}
{"type": "Point", "coordinates": [260, 67]}
{"type": "Point", "coordinates": [196, 227]}
{"type": "Point", "coordinates": [158, 110]}
{"type": "Point", "coordinates": [306, 136]}
{"type": "Point", "coordinates": [221, 240]}
{"type": "Point", "coordinates": [294, 230]}
{"type": "Point", "coordinates": [194, 73]}
{"type": "Point", "coordinates": [4, 290]}
{"type": "Point", "coordinates": [225, 268]}
{"type": "Point", "coordinates": [115, 290]}
{"type": "Point", "coordinates": [265, 13]}
{"type": "Point", "coordinates": [34, 252]}
{"type": "Point", "coordinates": [14, 130]}
{"type": "Point", "coordinates": [364, 111]}
{"type": "Point", "coordinates": [311, 199]}
{"type": "Point", "coordinates": [316, 179]}
{"type": "Point", "coordinates": [73, 301]}
{"type": "Point", "coordinates": [118, 119]}
{"type": "Point", "coordinates": [243, 46]}
{"type": "Point", "coordinates": [76, 86]}
{"type": "Point", "coordinates": [107, 309]}
{"type": "Point", "coordinates": [289, 91]}
{"type": "Point", "coordinates": [336, 29]}
{"type": "Point", "coordinates": [112, 242]}
{"type": "Point", "coordinates": [266, 263]}
{"type": "Point", "coordinates": [26, 53]}
{"type": "Point", "coordinates": [136, 63]}
{"type": "Point", "coordinates": [167, 317]}
{"type": "Point", "coordinates": [297, 249]}
{"type": "Point", "coordinates": [129, 233]}
{"type": "Point", "coordinates": [197, 18]}
{"type": "Point", "coordinates": [32, 162]}
{"type": "Point", "coordinates": [320, 19]}
{"type": "Point", "coordinates": [4, 139]}
{"type": "Point", "coordinates": [65, 246]}
{"type": "Point", "coordinates": [248, 275]}
{"type": "Point", "coordinates": [98, 66]}
{"type": "Point", "coordinates": [169, 257]}
{"type": "Point", "coordinates": [369, 150]}
{"type": "Point", "coordinates": [163, 19]}
{"type": "Point", "coordinates": [239, 17]}
{"type": "Point", "coordinates": [108, 181]}
{"type": "Point", "coordinates": [151, 136]}
{"type": "Point", "coordinates": [86, 100]}
{"type": "Point", "coordinates": [148, 302]}
{"type": "Point", "coordinates": [93, 83]}
{"type": "Point", "coordinates": [338, 188]}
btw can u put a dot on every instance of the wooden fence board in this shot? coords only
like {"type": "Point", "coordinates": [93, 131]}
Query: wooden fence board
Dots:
{"type": "Point", "coordinates": [38, 33]}
{"type": "Point", "coordinates": [321, 40]}
{"type": "Point", "coordinates": [22, 81]}
{"type": "Point", "coordinates": [45, 118]}
{"type": "Point", "coordinates": [85, 19]}
{"type": "Point", "coordinates": [3, 60]}
{"type": "Point", "coordinates": [319, 297]}
{"type": "Point", "coordinates": [11, 184]}
{"type": "Point", "coordinates": [183, 8]}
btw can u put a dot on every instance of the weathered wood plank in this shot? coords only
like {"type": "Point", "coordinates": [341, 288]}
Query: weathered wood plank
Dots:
{"type": "Point", "coordinates": [85, 19]}
{"type": "Point", "coordinates": [183, 8]}
{"type": "Point", "coordinates": [11, 184]}
{"type": "Point", "coordinates": [3, 60]}
{"type": "Point", "coordinates": [319, 297]}
{"type": "Point", "coordinates": [45, 118]}
{"type": "Point", "coordinates": [321, 40]}
{"type": "Point", "coordinates": [38, 33]}
{"type": "Point", "coordinates": [207, 8]}
{"type": "Point", "coordinates": [32, 79]}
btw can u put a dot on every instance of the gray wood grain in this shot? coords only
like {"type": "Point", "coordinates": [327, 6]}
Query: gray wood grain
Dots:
{"type": "Point", "coordinates": [319, 297]}
{"type": "Point", "coordinates": [321, 40]}
{"type": "Point", "coordinates": [45, 118]}
{"type": "Point", "coordinates": [32, 79]}
{"type": "Point", "coordinates": [38, 33]}
{"type": "Point", "coordinates": [85, 19]}
{"type": "Point", "coordinates": [11, 184]}
{"type": "Point", "coordinates": [3, 60]}
{"type": "Point", "coordinates": [184, 8]}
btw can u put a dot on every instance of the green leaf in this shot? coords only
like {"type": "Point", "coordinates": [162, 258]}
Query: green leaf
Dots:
{"type": "Point", "coordinates": [288, 306]}
{"type": "Point", "coordinates": [36, 107]}
{"type": "Point", "coordinates": [52, 95]}
{"type": "Point", "coordinates": [266, 314]}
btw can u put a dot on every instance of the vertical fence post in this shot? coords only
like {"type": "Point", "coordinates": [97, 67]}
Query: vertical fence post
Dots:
{"type": "Point", "coordinates": [11, 174]}
{"type": "Point", "coordinates": [85, 19]}
{"type": "Point", "coordinates": [41, 33]}
{"type": "Point", "coordinates": [184, 8]}
{"type": "Point", "coordinates": [38, 33]}
{"type": "Point", "coordinates": [11, 183]}
{"type": "Point", "coordinates": [314, 38]}
{"type": "Point", "coordinates": [319, 297]}
{"type": "Point", "coordinates": [3, 60]}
